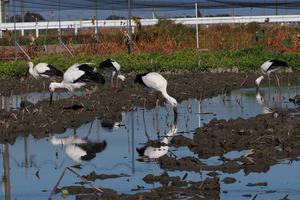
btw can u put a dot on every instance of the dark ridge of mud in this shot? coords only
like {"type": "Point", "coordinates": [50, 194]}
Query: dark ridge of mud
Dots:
{"type": "Point", "coordinates": [164, 179]}
{"type": "Point", "coordinates": [41, 119]}
{"type": "Point", "coordinates": [93, 176]}
{"type": "Point", "coordinates": [207, 189]}
{"type": "Point", "coordinates": [193, 164]}
{"type": "Point", "coordinates": [261, 184]}
{"type": "Point", "coordinates": [265, 138]}
{"type": "Point", "coordinates": [229, 180]}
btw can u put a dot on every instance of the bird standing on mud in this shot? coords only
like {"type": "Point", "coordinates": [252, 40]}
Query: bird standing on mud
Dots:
{"type": "Point", "coordinates": [113, 68]}
{"type": "Point", "coordinates": [43, 70]}
{"type": "Point", "coordinates": [158, 83]}
{"type": "Point", "coordinates": [268, 67]}
{"type": "Point", "coordinates": [77, 76]}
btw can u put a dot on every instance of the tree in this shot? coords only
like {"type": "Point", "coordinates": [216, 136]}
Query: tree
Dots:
{"type": "Point", "coordinates": [115, 17]}
{"type": "Point", "coordinates": [32, 17]}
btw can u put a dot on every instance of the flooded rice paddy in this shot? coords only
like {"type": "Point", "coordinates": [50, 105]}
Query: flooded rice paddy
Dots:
{"type": "Point", "coordinates": [32, 167]}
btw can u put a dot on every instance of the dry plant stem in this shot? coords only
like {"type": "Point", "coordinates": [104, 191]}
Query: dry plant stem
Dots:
{"type": "Point", "coordinates": [78, 176]}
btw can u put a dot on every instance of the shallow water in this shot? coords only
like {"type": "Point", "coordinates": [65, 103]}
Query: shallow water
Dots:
{"type": "Point", "coordinates": [35, 165]}
{"type": "Point", "coordinates": [14, 102]}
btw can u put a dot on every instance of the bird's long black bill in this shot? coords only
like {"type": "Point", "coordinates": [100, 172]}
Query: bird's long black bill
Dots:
{"type": "Point", "coordinates": [27, 72]}
{"type": "Point", "coordinates": [51, 98]}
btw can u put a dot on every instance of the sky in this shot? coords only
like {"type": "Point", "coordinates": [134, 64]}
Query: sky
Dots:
{"type": "Point", "coordinates": [84, 9]}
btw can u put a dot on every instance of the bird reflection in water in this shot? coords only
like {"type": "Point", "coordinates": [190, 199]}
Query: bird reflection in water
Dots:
{"type": "Point", "coordinates": [153, 150]}
{"type": "Point", "coordinates": [79, 149]}
{"type": "Point", "coordinates": [270, 101]}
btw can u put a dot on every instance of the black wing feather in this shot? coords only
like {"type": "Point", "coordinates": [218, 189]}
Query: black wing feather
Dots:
{"type": "Point", "coordinates": [138, 79]}
{"type": "Point", "coordinates": [92, 148]}
{"type": "Point", "coordinates": [89, 75]}
{"type": "Point", "coordinates": [53, 71]}
{"type": "Point", "coordinates": [107, 65]}
{"type": "Point", "coordinates": [277, 64]}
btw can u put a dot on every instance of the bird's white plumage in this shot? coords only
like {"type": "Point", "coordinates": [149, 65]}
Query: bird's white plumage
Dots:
{"type": "Point", "coordinates": [73, 73]}
{"type": "Point", "coordinates": [265, 66]}
{"type": "Point", "coordinates": [67, 140]}
{"type": "Point", "coordinates": [116, 65]}
{"type": "Point", "coordinates": [72, 150]}
{"type": "Point", "coordinates": [75, 152]}
{"type": "Point", "coordinates": [155, 81]}
{"type": "Point", "coordinates": [38, 70]}
{"type": "Point", "coordinates": [157, 152]}
{"type": "Point", "coordinates": [41, 67]}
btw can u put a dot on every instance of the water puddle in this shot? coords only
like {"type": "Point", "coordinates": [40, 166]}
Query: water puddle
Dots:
{"type": "Point", "coordinates": [14, 102]}
{"type": "Point", "coordinates": [32, 167]}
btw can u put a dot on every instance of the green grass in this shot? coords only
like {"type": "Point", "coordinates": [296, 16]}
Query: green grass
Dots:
{"type": "Point", "coordinates": [188, 59]}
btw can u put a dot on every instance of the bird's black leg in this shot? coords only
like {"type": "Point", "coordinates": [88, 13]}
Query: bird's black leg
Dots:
{"type": "Point", "coordinates": [278, 81]}
{"type": "Point", "coordinates": [44, 85]}
{"type": "Point", "coordinates": [157, 99]}
{"type": "Point", "coordinates": [112, 82]}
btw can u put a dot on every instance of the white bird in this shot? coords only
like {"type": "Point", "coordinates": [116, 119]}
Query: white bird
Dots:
{"type": "Point", "coordinates": [77, 76]}
{"type": "Point", "coordinates": [158, 83]}
{"type": "Point", "coordinates": [43, 70]}
{"type": "Point", "coordinates": [268, 67]}
{"type": "Point", "coordinates": [155, 152]}
{"type": "Point", "coordinates": [79, 149]}
{"type": "Point", "coordinates": [113, 68]}
{"type": "Point", "coordinates": [260, 100]}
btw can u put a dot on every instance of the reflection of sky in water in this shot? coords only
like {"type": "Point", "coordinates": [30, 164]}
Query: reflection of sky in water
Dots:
{"type": "Point", "coordinates": [13, 102]}
{"type": "Point", "coordinates": [120, 155]}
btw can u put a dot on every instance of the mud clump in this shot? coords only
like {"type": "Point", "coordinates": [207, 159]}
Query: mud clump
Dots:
{"type": "Point", "coordinates": [206, 189]}
{"type": "Point", "coordinates": [269, 138]}
{"type": "Point", "coordinates": [40, 119]}
{"type": "Point", "coordinates": [229, 180]}
{"type": "Point", "coordinates": [93, 176]}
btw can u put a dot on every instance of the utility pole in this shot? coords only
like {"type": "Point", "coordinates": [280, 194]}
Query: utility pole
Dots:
{"type": "Point", "coordinates": [1, 18]}
{"type": "Point", "coordinates": [22, 10]}
{"type": "Point", "coordinates": [276, 7]}
{"type": "Point", "coordinates": [96, 18]}
{"type": "Point", "coordinates": [153, 10]}
{"type": "Point", "coordinates": [15, 33]}
{"type": "Point", "coordinates": [22, 15]}
{"type": "Point", "coordinates": [129, 42]}
{"type": "Point", "coordinates": [197, 26]}
{"type": "Point", "coordinates": [59, 23]}
{"type": "Point", "coordinates": [233, 9]}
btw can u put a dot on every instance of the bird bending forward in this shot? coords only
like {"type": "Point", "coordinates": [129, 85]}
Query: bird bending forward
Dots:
{"type": "Point", "coordinates": [77, 76]}
{"type": "Point", "coordinates": [268, 67]}
{"type": "Point", "coordinates": [156, 82]}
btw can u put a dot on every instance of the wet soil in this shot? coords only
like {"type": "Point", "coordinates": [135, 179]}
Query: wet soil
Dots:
{"type": "Point", "coordinates": [41, 119]}
{"type": "Point", "coordinates": [265, 139]}
{"type": "Point", "coordinates": [178, 189]}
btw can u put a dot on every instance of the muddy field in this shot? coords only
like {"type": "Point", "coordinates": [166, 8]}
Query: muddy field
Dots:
{"type": "Point", "coordinates": [266, 138]}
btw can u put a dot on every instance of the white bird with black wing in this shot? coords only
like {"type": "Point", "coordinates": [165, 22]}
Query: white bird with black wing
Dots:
{"type": "Point", "coordinates": [157, 82]}
{"type": "Point", "coordinates": [43, 70]}
{"type": "Point", "coordinates": [80, 149]}
{"type": "Point", "coordinates": [77, 76]}
{"type": "Point", "coordinates": [113, 68]}
{"type": "Point", "coordinates": [269, 67]}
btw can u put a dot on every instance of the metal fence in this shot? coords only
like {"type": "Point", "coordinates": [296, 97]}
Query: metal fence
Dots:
{"type": "Point", "coordinates": [75, 25]}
